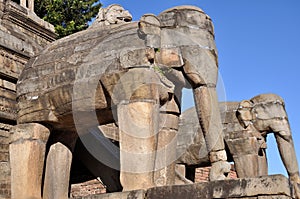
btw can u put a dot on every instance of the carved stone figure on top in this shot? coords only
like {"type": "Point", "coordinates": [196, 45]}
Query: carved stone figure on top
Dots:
{"type": "Point", "coordinates": [113, 14]}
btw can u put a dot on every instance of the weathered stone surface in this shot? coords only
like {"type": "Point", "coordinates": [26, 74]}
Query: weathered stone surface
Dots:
{"type": "Point", "coordinates": [165, 157]}
{"type": "Point", "coordinates": [30, 131]}
{"type": "Point", "coordinates": [207, 108]}
{"type": "Point", "coordinates": [149, 27]}
{"type": "Point", "coordinates": [57, 174]}
{"type": "Point", "coordinates": [72, 60]}
{"type": "Point", "coordinates": [242, 188]}
{"type": "Point", "coordinates": [191, 148]}
{"type": "Point", "coordinates": [4, 161]}
{"type": "Point", "coordinates": [266, 113]}
{"type": "Point", "coordinates": [245, 128]}
{"type": "Point", "coordinates": [268, 187]}
{"type": "Point", "coordinates": [22, 35]}
{"type": "Point", "coordinates": [191, 144]}
{"type": "Point", "coordinates": [27, 153]}
{"type": "Point", "coordinates": [113, 14]}
{"type": "Point", "coordinates": [28, 4]}
{"type": "Point", "coordinates": [125, 62]}
{"type": "Point", "coordinates": [29, 24]}
{"type": "Point", "coordinates": [138, 143]}
{"type": "Point", "coordinates": [137, 194]}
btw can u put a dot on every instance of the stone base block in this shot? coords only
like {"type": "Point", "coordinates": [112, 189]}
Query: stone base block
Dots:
{"type": "Point", "coordinates": [267, 187]}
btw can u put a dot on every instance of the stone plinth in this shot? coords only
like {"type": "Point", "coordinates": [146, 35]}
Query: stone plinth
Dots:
{"type": "Point", "coordinates": [268, 187]}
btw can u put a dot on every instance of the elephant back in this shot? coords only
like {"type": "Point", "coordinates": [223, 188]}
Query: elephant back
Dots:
{"type": "Point", "coordinates": [68, 67]}
{"type": "Point", "coordinates": [267, 98]}
{"type": "Point", "coordinates": [85, 67]}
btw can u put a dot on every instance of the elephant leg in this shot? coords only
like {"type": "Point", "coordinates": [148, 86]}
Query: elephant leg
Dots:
{"type": "Point", "coordinates": [138, 126]}
{"type": "Point", "coordinates": [287, 153]}
{"type": "Point", "coordinates": [166, 149]}
{"type": "Point", "coordinates": [27, 154]}
{"type": "Point", "coordinates": [57, 175]}
{"type": "Point", "coordinates": [262, 162]}
{"type": "Point", "coordinates": [207, 107]}
{"type": "Point", "coordinates": [248, 151]}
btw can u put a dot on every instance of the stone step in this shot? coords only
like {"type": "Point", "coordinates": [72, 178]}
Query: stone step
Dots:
{"type": "Point", "coordinates": [266, 187]}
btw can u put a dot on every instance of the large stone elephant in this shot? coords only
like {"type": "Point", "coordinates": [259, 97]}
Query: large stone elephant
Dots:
{"type": "Point", "coordinates": [245, 127]}
{"type": "Point", "coordinates": [127, 74]}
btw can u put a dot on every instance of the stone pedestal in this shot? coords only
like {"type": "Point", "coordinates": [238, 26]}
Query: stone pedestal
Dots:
{"type": "Point", "coordinates": [27, 153]}
{"type": "Point", "coordinates": [57, 175]}
{"type": "Point", "coordinates": [268, 187]}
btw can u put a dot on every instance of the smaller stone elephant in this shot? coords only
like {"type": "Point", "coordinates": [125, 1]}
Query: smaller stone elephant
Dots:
{"type": "Point", "coordinates": [245, 127]}
{"type": "Point", "coordinates": [266, 114]}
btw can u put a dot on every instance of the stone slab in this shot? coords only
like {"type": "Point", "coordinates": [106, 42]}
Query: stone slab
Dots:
{"type": "Point", "coordinates": [267, 187]}
{"type": "Point", "coordinates": [137, 194]}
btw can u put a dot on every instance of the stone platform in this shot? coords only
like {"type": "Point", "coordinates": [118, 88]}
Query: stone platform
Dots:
{"type": "Point", "coordinates": [268, 187]}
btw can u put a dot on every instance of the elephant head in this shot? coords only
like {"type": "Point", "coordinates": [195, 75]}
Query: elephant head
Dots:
{"type": "Point", "coordinates": [266, 113]}
{"type": "Point", "coordinates": [200, 69]}
{"type": "Point", "coordinates": [244, 113]}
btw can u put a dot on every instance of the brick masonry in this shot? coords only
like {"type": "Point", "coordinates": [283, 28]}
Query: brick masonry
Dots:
{"type": "Point", "coordinates": [94, 187]}
{"type": "Point", "coordinates": [91, 187]}
{"type": "Point", "coordinates": [4, 162]}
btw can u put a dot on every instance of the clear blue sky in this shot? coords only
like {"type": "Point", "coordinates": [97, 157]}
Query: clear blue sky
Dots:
{"type": "Point", "coordinates": [259, 52]}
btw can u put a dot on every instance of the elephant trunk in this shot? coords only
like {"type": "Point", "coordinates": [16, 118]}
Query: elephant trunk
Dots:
{"type": "Point", "coordinates": [209, 117]}
{"type": "Point", "coordinates": [210, 121]}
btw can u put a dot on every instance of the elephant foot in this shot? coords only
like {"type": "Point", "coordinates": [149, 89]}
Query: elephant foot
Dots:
{"type": "Point", "coordinates": [219, 170]}
{"type": "Point", "coordinates": [296, 187]}
{"type": "Point", "coordinates": [295, 182]}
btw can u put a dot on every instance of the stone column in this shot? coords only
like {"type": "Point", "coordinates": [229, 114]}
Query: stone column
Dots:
{"type": "Point", "coordinates": [28, 4]}
{"type": "Point", "coordinates": [27, 153]}
{"type": "Point", "coordinates": [23, 3]}
{"type": "Point", "coordinates": [138, 124]}
{"type": "Point", "coordinates": [58, 167]}
{"type": "Point", "coordinates": [31, 5]}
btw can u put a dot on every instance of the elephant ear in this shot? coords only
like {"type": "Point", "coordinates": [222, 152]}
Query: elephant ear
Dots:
{"type": "Point", "coordinates": [244, 113]}
{"type": "Point", "coordinates": [149, 27]}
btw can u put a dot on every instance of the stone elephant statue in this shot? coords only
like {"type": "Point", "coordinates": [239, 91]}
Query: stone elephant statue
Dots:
{"type": "Point", "coordinates": [245, 127]}
{"type": "Point", "coordinates": [266, 114]}
{"type": "Point", "coordinates": [125, 74]}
